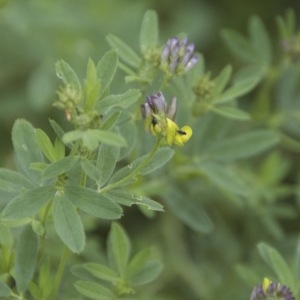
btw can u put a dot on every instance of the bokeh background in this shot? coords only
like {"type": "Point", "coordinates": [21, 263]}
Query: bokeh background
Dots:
{"type": "Point", "coordinates": [37, 33]}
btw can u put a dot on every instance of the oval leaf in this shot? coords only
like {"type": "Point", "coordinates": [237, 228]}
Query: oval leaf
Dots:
{"type": "Point", "coordinates": [93, 290]}
{"type": "Point", "coordinates": [67, 223]}
{"type": "Point", "coordinates": [245, 145]}
{"type": "Point", "coordinates": [93, 203]}
{"type": "Point", "coordinates": [124, 51]}
{"type": "Point", "coordinates": [26, 255]}
{"type": "Point", "coordinates": [68, 76]}
{"type": "Point", "coordinates": [118, 248]}
{"type": "Point", "coordinates": [27, 204]}
{"type": "Point", "coordinates": [149, 31]}
{"type": "Point", "coordinates": [26, 148]}
{"type": "Point", "coordinates": [106, 69]}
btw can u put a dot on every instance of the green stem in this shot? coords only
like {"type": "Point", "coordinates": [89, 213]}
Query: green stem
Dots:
{"type": "Point", "coordinates": [135, 171]}
{"type": "Point", "coordinates": [60, 271]}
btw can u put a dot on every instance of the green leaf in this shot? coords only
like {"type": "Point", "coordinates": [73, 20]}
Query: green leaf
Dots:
{"type": "Point", "coordinates": [118, 248]}
{"type": "Point", "coordinates": [90, 169]}
{"type": "Point", "coordinates": [232, 112]}
{"type": "Point", "coordinates": [149, 271]}
{"type": "Point", "coordinates": [93, 290]}
{"type": "Point", "coordinates": [138, 262]}
{"type": "Point", "coordinates": [260, 39]}
{"type": "Point", "coordinates": [110, 121]}
{"type": "Point", "coordinates": [93, 203]}
{"type": "Point", "coordinates": [72, 136]}
{"type": "Point", "coordinates": [160, 158]}
{"type": "Point", "coordinates": [124, 51]}
{"type": "Point", "coordinates": [4, 290]}
{"type": "Point", "coordinates": [92, 137]}
{"type": "Point", "coordinates": [13, 182]}
{"type": "Point", "coordinates": [240, 46]}
{"type": "Point", "coordinates": [59, 167]}
{"type": "Point", "coordinates": [45, 145]}
{"type": "Point", "coordinates": [149, 31]}
{"type": "Point", "coordinates": [27, 204]}
{"type": "Point", "coordinates": [189, 211]}
{"type": "Point", "coordinates": [121, 101]}
{"type": "Point", "coordinates": [6, 237]}
{"type": "Point", "coordinates": [91, 87]}
{"type": "Point", "coordinates": [101, 272]}
{"type": "Point", "coordinates": [106, 69]}
{"type": "Point", "coordinates": [274, 260]}
{"type": "Point", "coordinates": [121, 197]}
{"type": "Point", "coordinates": [57, 129]}
{"type": "Point", "coordinates": [67, 223]}
{"type": "Point", "coordinates": [106, 162]}
{"type": "Point", "coordinates": [225, 178]}
{"type": "Point", "coordinates": [26, 255]}
{"type": "Point", "coordinates": [59, 149]}
{"type": "Point", "coordinates": [238, 89]}
{"type": "Point", "coordinates": [128, 199]}
{"type": "Point", "coordinates": [149, 203]}
{"type": "Point", "coordinates": [244, 145]}
{"type": "Point", "coordinates": [223, 79]}
{"type": "Point", "coordinates": [67, 74]}
{"type": "Point", "coordinates": [26, 148]}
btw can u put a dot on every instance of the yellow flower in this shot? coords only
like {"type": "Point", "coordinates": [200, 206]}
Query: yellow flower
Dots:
{"type": "Point", "coordinates": [177, 136]}
{"type": "Point", "coordinates": [159, 120]}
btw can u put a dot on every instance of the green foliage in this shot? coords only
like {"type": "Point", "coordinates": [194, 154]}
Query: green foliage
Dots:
{"type": "Point", "coordinates": [122, 272]}
{"type": "Point", "coordinates": [232, 185]}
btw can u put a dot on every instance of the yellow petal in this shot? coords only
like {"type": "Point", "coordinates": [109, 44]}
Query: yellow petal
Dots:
{"type": "Point", "coordinates": [183, 135]}
{"type": "Point", "coordinates": [172, 131]}
{"type": "Point", "coordinates": [266, 283]}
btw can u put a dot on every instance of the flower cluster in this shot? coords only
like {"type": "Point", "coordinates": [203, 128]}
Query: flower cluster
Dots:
{"type": "Point", "coordinates": [178, 56]}
{"type": "Point", "coordinates": [271, 290]}
{"type": "Point", "coordinates": [159, 120]}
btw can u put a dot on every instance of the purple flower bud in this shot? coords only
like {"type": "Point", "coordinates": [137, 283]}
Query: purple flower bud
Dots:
{"type": "Point", "coordinates": [183, 42]}
{"type": "Point", "coordinates": [174, 42]}
{"type": "Point", "coordinates": [192, 62]}
{"type": "Point", "coordinates": [186, 57]}
{"type": "Point", "coordinates": [178, 56]}
{"type": "Point", "coordinates": [165, 54]}
{"type": "Point", "coordinates": [273, 290]}
{"type": "Point", "coordinates": [172, 108]}
{"type": "Point", "coordinates": [173, 65]}
{"type": "Point", "coordinates": [146, 110]}
{"type": "Point", "coordinates": [190, 47]}
{"type": "Point", "coordinates": [157, 103]}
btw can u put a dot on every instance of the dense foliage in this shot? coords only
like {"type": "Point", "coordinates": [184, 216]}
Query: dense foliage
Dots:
{"type": "Point", "coordinates": [162, 170]}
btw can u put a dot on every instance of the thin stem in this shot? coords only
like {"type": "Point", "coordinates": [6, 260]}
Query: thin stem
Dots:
{"type": "Point", "coordinates": [135, 171]}
{"type": "Point", "coordinates": [60, 271]}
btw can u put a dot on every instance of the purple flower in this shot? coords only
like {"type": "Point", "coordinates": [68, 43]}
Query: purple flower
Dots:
{"type": "Point", "coordinates": [178, 56]}
{"type": "Point", "coordinates": [271, 290]}
{"type": "Point", "coordinates": [156, 104]}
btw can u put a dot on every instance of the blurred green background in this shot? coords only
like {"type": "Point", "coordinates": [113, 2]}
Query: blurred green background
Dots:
{"type": "Point", "coordinates": [36, 33]}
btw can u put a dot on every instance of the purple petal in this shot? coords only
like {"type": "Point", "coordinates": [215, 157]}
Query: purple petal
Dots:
{"type": "Point", "coordinates": [146, 110]}
{"type": "Point", "coordinates": [165, 54]}
{"type": "Point", "coordinates": [172, 108]}
{"type": "Point", "coordinates": [192, 62]}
